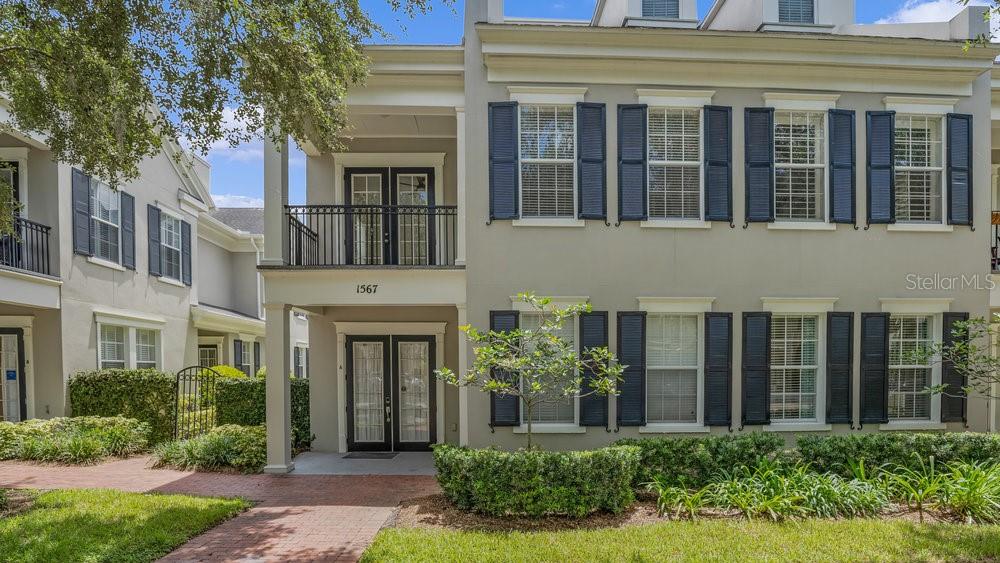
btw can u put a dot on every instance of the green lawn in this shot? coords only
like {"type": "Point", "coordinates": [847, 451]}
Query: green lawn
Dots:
{"type": "Point", "coordinates": [103, 525]}
{"type": "Point", "coordinates": [719, 540]}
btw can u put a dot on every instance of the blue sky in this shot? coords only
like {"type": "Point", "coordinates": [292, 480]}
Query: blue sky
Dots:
{"type": "Point", "coordinates": [237, 172]}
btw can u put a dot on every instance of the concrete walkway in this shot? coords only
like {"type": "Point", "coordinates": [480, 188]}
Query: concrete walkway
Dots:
{"type": "Point", "coordinates": [295, 517]}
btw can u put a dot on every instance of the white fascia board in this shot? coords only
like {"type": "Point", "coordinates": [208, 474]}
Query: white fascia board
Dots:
{"type": "Point", "coordinates": [676, 304]}
{"type": "Point", "coordinates": [798, 304]}
{"type": "Point", "coordinates": [674, 98]}
{"type": "Point", "coordinates": [220, 234]}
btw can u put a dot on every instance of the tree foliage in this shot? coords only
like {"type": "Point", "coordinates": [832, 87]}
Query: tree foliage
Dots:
{"type": "Point", "coordinates": [537, 366]}
{"type": "Point", "coordinates": [104, 82]}
{"type": "Point", "coordinates": [971, 353]}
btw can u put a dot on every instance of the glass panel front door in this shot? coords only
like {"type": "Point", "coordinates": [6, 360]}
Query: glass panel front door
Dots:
{"type": "Point", "coordinates": [10, 378]}
{"type": "Point", "coordinates": [413, 386]}
{"type": "Point", "coordinates": [412, 194]}
{"type": "Point", "coordinates": [368, 367]}
{"type": "Point", "coordinates": [367, 219]}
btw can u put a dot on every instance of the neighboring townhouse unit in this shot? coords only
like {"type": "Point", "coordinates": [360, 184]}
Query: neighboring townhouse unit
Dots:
{"type": "Point", "coordinates": [753, 205]}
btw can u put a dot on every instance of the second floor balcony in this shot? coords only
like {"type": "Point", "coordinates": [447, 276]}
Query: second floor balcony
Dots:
{"type": "Point", "coordinates": [27, 247]}
{"type": "Point", "coordinates": [405, 236]}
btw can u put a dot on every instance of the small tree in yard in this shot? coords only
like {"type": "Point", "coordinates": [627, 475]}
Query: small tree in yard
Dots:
{"type": "Point", "coordinates": [971, 353]}
{"type": "Point", "coordinates": [537, 366]}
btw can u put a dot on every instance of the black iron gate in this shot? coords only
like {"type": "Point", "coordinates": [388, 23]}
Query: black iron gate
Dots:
{"type": "Point", "coordinates": [195, 413]}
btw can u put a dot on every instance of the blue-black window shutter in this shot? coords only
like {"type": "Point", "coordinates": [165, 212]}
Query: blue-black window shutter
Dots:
{"type": "Point", "coordinates": [839, 367]}
{"type": "Point", "coordinates": [256, 357]}
{"type": "Point", "coordinates": [505, 410]}
{"type": "Point", "coordinates": [759, 148]}
{"type": "Point", "coordinates": [953, 400]}
{"type": "Point", "coordinates": [718, 369]}
{"type": "Point", "coordinates": [874, 368]}
{"type": "Point", "coordinates": [593, 334]}
{"type": "Point", "coordinates": [718, 163]}
{"type": "Point", "coordinates": [843, 166]}
{"type": "Point", "coordinates": [504, 176]}
{"type": "Point", "coordinates": [81, 214]}
{"type": "Point", "coordinates": [632, 354]}
{"type": "Point", "coordinates": [881, 167]}
{"type": "Point", "coordinates": [128, 230]}
{"type": "Point", "coordinates": [592, 160]}
{"type": "Point", "coordinates": [756, 368]}
{"type": "Point", "coordinates": [632, 163]}
{"type": "Point", "coordinates": [959, 169]}
{"type": "Point", "coordinates": [153, 228]}
{"type": "Point", "coordinates": [186, 253]}
{"type": "Point", "coordinates": [238, 354]}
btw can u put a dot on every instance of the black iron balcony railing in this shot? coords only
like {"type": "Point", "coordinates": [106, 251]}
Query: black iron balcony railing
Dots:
{"type": "Point", "coordinates": [27, 247]}
{"type": "Point", "coordinates": [372, 235]}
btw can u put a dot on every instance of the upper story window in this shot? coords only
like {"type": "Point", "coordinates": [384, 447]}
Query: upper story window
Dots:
{"type": "Point", "coordinates": [105, 213]}
{"type": "Point", "coordinates": [794, 367]}
{"type": "Point", "coordinates": [672, 368]}
{"type": "Point", "coordinates": [674, 185]}
{"type": "Point", "coordinates": [919, 149]}
{"type": "Point", "coordinates": [548, 161]}
{"type": "Point", "coordinates": [909, 372]}
{"type": "Point", "coordinates": [799, 165]}
{"type": "Point", "coordinates": [170, 246]}
{"type": "Point", "coordinates": [796, 11]}
{"type": "Point", "coordinates": [555, 409]}
{"type": "Point", "coordinates": [661, 9]}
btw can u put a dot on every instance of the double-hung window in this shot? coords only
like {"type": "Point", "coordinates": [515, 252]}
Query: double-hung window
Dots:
{"type": "Point", "coordinates": [919, 148]}
{"type": "Point", "coordinates": [145, 349]}
{"type": "Point", "coordinates": [554, 408]}
{"type": "Point", "coordinates": [208, 355]}
{"type": "Point", "coordinates": [799, 165]}
{"type": "Point", "coordinates": [105, 217]}
{"type": "Point", "coordinates": [672, 368]}
{"type": "Point", "coordinates": [910, 370]}
{"type": "Point", "coordinates": [675, 178]}
{"type": "Point", "coordinates": [111, 348]}
{"type": "Point", "coordinates": [794, 368]}
{"type": "Point", "coordinates": [300, 367]}
{"type": "Point", "coordinates": [243, 362]}
{"type": "Point", "coordinates": [170, 247]}
{"type": "Point", "coordinates": [661, 9]}
{"type": "Point", "coordinates": [121, 347]}
{"type": "Point", "coordinates": [548, 160]}
{"type": "Point", "coordinates": [796, 11]}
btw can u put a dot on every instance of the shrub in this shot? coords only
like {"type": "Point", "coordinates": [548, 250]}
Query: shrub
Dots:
{"type": "Point", "coordinates": [241, 448]}
{"type": "Point", "coordinates": [836, 453]}
{"type": "Point", "coordinates": [537, 483]}
{"type": "Point", "coordinates": [972, 491]}
{"type": "Point", "coordinates": [147, 395]}
{"type": "Point", "coordinates": [229, 372]}
{"type": "Point", "coordinates": [76, 440]}
{"type": "Point", "coordinates": [693, 462]}
{"type": "Point", "coordinates": [680, 500]}
{"type": "Point", "coordinates": [241, 401]}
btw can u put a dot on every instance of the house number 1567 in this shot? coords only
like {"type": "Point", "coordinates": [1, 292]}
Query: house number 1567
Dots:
{"type": "Point", "coordinates": [367, 288]}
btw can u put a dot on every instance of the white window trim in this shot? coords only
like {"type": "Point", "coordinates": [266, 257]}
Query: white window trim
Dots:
{"type": "Point", "coordinates": [180, 250]}
{"type": "Point", "coordinates": [681, 99]}
{"type": "Point", "coordinates": [805, 426]}
{"type": "Point", "coordinates": [554, 427]}
{"type": "Point", "coordinates": [798, 305]}
{"type": "Point", "coordinates": [676, 305]}
{"type": "Point", "coordinates": [554, 303]}
{"type": "Point", "coordinates": [93, 259]}
{"type": "Point", "coordinates": [546, 95]}
{"type": "Point", "coordinates": [678, 103]}
{"type": "Point", "coordinates": [577, 95]}
{"type": "Point", "coordinates": [812, 103]}
{"type": "Point", "coordinates": [915, 305]}
{"type": "Point", "coordinates": [699, 424]}
{"type": "Point", "coordinates": [819, 310]}
{"type": "Point", "coordinates": [920, 106]}
{"type": "Point", "coordinates": [798, 101]}
{"type": "Point", "coordinates": [549, 222]}
{"type": "Point", "coordinates": [930, 109]}
{"type": "Point", "coordinates": [130, 345]}
{"type": "Point", "coordinates": [20, 156]}
{"type": "Point", "coordinates": [105, 263]}
{"type": "Point", "coordinates": [937, 321]}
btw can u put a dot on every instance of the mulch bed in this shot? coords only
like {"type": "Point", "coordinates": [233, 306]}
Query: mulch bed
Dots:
{"type": "Point", "coordinates": [18, 501]}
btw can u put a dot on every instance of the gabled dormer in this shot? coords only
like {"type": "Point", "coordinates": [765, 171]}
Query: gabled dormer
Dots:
{"type": "Point", "coordinates": [821, 16]}
{"type": "Point", "coordinates": [646, 13]}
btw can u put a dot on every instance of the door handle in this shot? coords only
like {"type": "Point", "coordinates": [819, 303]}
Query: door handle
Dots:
{"type": "Point", "coordinates": [388, 413]}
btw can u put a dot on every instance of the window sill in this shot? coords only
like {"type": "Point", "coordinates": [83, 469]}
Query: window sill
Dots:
{"type": "Point", "coordinates": [551, 429]}
{"type": "Point", "coordinates": [170, 281]}
{"type": "Point", "coordinates": [549, 223]}
{"type": "Point", "coordinates": [920, 228]}
{"type": "Point", "coordinates": [802, 226]}
{"type": "Point", "coordinates": [674, 224]}
{"type": "Point", "coordinates": [798, 427]}
{"type": "Point", "coordinates": [667, 428]}
{"type": "Point", "coordinates": [906, 425]}
{"type": "Point", "coordinates": [105, 263]}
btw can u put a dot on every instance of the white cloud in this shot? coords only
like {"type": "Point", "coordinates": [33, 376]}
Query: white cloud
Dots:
{"type": "Point", "coordinates": [919, 11]}
{"type": "Point", "coordinates": [231, 200]}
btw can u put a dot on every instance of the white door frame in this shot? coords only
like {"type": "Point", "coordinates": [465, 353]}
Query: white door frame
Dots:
{"type": "Point", "coordinates": [345, 329]}
{"type": "Point", "coordinates": [26, 323]}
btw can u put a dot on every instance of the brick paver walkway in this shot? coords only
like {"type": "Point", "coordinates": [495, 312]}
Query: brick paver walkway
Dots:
{"type": "Point", "coordinates": [295, 517]}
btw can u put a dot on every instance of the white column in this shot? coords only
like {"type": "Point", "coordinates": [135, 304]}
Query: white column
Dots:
{"type": "Point", "coordinates": [495, 11]}
{"type": "Point", "coordinates": [275, 200]}
{"type": "Point", "coordinates": [460, 182]}
{"type": "Point", "coordinates": [463, 392]}
{"type": "Point", "coordinates": [278, 404]}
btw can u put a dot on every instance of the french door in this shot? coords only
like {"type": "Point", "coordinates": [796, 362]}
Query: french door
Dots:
{"type": "Point", "coordinates": [390, 393]}
{"type": "Point", "coordinates": [389, 216]}
{"type": "Point", "coordinates": [13, 407]}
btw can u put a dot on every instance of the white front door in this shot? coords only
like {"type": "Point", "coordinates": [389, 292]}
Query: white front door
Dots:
{"type": "Point", "coordinates": [10, 372]}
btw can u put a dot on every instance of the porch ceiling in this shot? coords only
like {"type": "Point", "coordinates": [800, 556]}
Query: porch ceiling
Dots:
{"type": "Point", "coordinates": [364, 124]}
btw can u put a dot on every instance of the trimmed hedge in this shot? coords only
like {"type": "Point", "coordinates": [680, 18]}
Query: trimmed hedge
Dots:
{"type": "Point", "coordinates": [537, 483]}
{"type": "Point", "coordinates": [241, 401]}
{"type": "Point", "coordinates": [146, 395]}
{"type": "Point", "coordinates": [693, 462]}
{"type": "Point", "coordinates": [78, 440]}
{"type": "Point", "coordinates": [229, 447]}
{"type": "Point", "coordinates": [833, 453]}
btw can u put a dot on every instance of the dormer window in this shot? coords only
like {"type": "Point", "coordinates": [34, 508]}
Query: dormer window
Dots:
{"type": "Point", "coordinates": [796, 11]}
{"type": "Point", "coordinates": [669, 9]}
